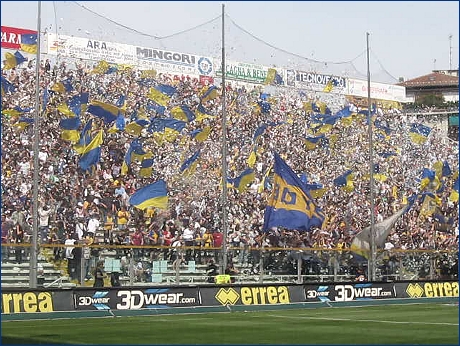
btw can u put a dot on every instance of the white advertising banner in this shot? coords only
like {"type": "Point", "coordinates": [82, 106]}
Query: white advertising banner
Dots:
{"type": "Point", "coordinates": [119, 53]}
{"type": "Point", "coordinates": [314, 81]}
{"type": "Point", "coordinates": [381, 91]}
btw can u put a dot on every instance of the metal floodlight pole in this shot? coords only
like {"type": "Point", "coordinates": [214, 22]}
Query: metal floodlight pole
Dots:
{"type": "Point", "coordinates": [371, 268]}
{"type": "Point", "coordinates": [224, 153]}
{"type": "Point", "coordinates": [34, 249]}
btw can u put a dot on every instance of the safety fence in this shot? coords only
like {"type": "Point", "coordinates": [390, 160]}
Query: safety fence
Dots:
{"type": "Point", "coordinates": [127, 265]}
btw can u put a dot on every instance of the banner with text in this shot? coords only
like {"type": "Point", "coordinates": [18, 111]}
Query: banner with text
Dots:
{"type": "Point", "coordinates": [119, 53]}
{"type": "Point", "coordinates": [246, 73]}
{"type": "Point", "coordinates": [315, 81]}
{"type": "Point", "coordinates": [427, 289]}
{"type": "Point", "coordinates": [251, 295]}
{"type": "Point", "coordinates": [349, 292]}
{"type": "Point", "coordinates": [24, 300]}
{"type": "Point", "coordinates": [11, 37]}
{"type": "Point", "coordinates": [134, 299]}
{"type": "Point", "coordinates": [381, 91]}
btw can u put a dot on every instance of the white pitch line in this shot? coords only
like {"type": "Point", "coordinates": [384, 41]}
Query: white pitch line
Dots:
{"type": "Point", "coordinates": [355, 320]}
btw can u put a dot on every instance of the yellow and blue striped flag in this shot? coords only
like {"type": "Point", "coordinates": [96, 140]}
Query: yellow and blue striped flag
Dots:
{"type": "Point", "coordinates": [13, 60]}
{"type": "Point", "coordinates": [183, 113]}
{"type": "Point", "coordinates": [312, 142]}
{"type": "Point", "coordinates": [7, 86]}
{"type": "Point", "coordinates": [107, 112]}
{"type": "Point", "coordinates": [243, 180]}
{"type": "Point", "coordinates": [29, 43]}
{"type": "Point", "coordinates": [152, 195]}
{"type": "Point", "coordinates": [419, 133]}
{"type": "Point", "coordinates": [188, 167]}
{"type": "Point", "coordinates": [23, 122]}
{"type": "Point", "coordinates": [201, 135]}
{"type": "Point", "coordinates": [209, 94]}
{"type": "Point", "coordinates": [345, 181]}
{"type": "Point", "coordinates": [146, 165]}
{"type": "Point", "coordinates": [161, 94]}
{"type": "Point", "coordinates": [85, 137]}
{"type": "Point", "coordinates": [92, 152]}
{"type": "Point", "coordinates": [290, 205]}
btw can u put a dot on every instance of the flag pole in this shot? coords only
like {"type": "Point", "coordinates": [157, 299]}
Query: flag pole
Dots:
{"type": "Point", "coordinates": [34, 248]}
{"type": "Point", "coordinates": [224, 153]}
{"type": "Point", "coordinates": [372, 257]}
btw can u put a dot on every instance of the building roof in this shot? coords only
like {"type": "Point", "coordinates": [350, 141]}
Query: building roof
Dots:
{"type": "Point", "coordinates": [435, 79]}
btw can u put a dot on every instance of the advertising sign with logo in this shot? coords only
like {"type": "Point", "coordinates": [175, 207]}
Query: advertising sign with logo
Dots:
{"type": "Point", "coordinates": [349, 292]}
{"type": "Point", "coordinates": [35, 301]}
{"type": "Point", "coordinates": [251, 295]}
{"type": "Point", "coordinates": [131, 299]}
{"type": "Point", "coordinates": [380, 91]}
{"type": "Point", "coordinates": [11, 37]}
{"type": "Point", "coordinates": [427, 289]}
{"type": "Point", "coordinates": [119, 53]}
{"type": "Point", "coordinates": [243, 72]}
{"type": "Point", "coordinates": [314, 81]}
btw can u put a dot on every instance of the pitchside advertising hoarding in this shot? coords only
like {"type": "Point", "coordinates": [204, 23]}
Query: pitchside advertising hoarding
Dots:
{"type": "Point", "coordinates": [344, 292]}
{"type": "Point", "coordinates": [118, 53]}
{"type": "Point", "coordinates": [251, 295]}
{"type": "Point", "coordinates": [15, 301]}
{"type": "Point", "coordinates": [427, 289]}
{"type": "Point", "coordinates": [135, 299]}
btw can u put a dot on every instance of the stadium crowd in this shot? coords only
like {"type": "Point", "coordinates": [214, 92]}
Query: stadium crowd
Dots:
{"type": "Point", "coordinates": [74, 204]}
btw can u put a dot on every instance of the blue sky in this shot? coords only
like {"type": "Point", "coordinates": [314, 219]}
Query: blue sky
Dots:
{"type": "Point", "coordinates": [405, 37]}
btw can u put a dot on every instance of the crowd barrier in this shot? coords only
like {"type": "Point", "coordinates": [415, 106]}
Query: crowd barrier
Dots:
{"type": "Point", "coordinates": [135, 298]}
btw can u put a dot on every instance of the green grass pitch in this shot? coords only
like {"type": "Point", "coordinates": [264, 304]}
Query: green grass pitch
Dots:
{"type": "Point", "coordinates": [383, 324]}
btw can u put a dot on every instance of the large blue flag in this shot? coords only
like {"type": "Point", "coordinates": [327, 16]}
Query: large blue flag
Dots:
{"type": "Point", "coordinates": [290, 205]}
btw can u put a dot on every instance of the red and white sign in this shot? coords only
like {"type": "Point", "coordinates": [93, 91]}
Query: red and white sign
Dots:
{"type": "Point", "coordinates": [11, 37]}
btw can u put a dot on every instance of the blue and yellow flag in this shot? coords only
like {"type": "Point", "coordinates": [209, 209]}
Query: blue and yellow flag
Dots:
{"type": "Point", "coordinates": [152, 195]}
{"type": "Point", "coordinates": [290, 205]}
{"type": "Point", "coordinates": [189, 166]}
{"type": "Point", "coordinates": [161, 124]}
{"type": "Point", "coordinates": [329, 86]}
{"type": "Point", "coordinates": [454, 193]}
{"type": "Point", "coordinates": [345, 181]}
{"type": "Point", "coordinates": [92, 152]}
{"type": "Point", "coordinates": [70, 129]}
{"type": "Point", "coordinates": [312, 142]}
{"type": "Point", "coordinates": [135, 150]}
{"type": "Point", "coordinates": [7, 86]}
{"type": "Point", "coordinates": [429, 179]}
{"type": "Point", "coordinates": [161, 94]}
{"type": "Point", "coordinates": [29, 43]}
{"type": "Point", "coordinates": [273, 77]}
{"type": "Point", "coordinates": [446, 171]}
{"type": "Point", "coordinates": [13, 60]}
{"type": "Point", "coordinates": [146, 165]}
{"type": "Point", "coordinates": [243, 180]}
{"type": "Point", "coordinates": [107, 112]}
{"type": "Point", "coordinates": [209, 94]}
{"type": "Point", "coordinates": [23, 122]}
{"type": "Point", "coordinates": [201, 113]}
{"type": "Point", "coordinates": [135, 127]}
{"type": "Point", "coordinates": [419, 133]}
{"type": "Point", "coordinates": [183, 113]}
{"type": "Point", "coordinates": [201, 135]}
{"type": "Point", "coordinates": [85, 137]}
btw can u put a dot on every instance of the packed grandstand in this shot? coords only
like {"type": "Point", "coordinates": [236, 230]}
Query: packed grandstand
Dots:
{"type": "Point", "coordinates": [150, 125]}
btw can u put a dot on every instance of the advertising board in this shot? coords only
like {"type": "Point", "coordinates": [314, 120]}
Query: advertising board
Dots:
{"type": "Point", "coordinates": [26, 300]}
{"type": "Point", "coordinates": [349, 292]}
{"type": "Point", "coordinates": [244, 72]}
{"type": "Point", "coordinates": [380, 91]}
{"type": "Point", "coordinates": [314, 81]}
{"type": "Point", "coordinates": [251, 295]}
{"type": "Point", "coordinates": [119, 53]}
{"type": "Point", "coordinates": [427, 289]}
{"type": "Point", "coordinates": [134, 299]}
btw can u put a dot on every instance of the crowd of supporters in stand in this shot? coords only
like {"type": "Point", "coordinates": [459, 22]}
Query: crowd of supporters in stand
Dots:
{"type": "Point", "coordinates": [76, 204]}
